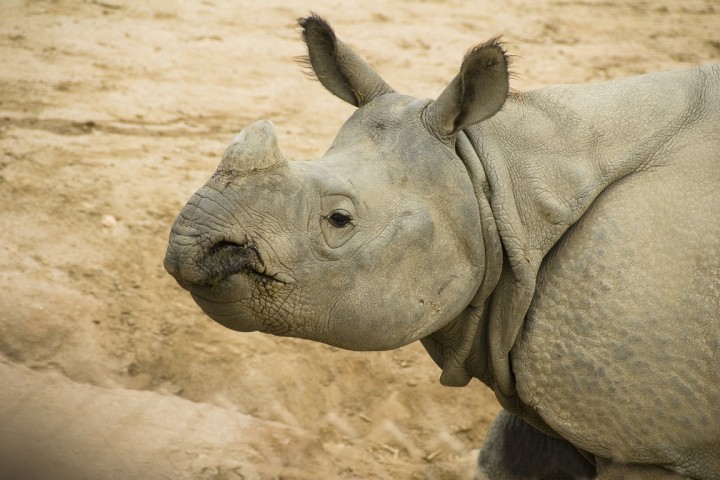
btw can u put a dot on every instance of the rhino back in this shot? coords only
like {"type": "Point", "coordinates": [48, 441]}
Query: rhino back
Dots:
{"type": "Point", "coordinates": [620, 351]}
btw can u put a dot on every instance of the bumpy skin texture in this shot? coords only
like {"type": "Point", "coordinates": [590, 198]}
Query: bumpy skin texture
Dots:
{"type": "Point", "coordinates": [635, 341]}
{"type": "Point", "coordinates": [620, 352]}
{"type": "Point", "coordinates": [562, 246]}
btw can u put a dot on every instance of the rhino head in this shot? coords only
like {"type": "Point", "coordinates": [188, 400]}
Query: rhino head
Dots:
{"type": "Point", "coordinates": [374, 245]}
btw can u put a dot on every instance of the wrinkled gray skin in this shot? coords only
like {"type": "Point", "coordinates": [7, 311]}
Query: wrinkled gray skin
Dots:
{"type": "Point", "coordinates": [561, 245]}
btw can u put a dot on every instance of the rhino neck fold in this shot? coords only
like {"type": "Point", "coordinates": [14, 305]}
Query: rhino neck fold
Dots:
{"type": "Point", "coordinates": [460, 348]}
{"type": "Point", "coordinates": [468, 346]}
{"type": "Point", "coordinates": [536, 164]}
{"type": "Point", "coordinates": [478, 342]}
{"type": "Point", "coordinates": [535, 172]}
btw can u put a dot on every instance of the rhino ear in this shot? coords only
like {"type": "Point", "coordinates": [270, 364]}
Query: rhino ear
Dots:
{"type": "Point", "coordinates": [338, 68]}
{"type": "Point", "coordinates": [475, 94]}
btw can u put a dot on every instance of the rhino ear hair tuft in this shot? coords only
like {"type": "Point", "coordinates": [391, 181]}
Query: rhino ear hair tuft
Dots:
{"type": "Point", "coordinates": [314, 23]}
{"type": "Point", "coordinates": [306, 66]}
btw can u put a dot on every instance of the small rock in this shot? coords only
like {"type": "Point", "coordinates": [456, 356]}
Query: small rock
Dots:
{"type": "Point", "coordinates": [108, 221]}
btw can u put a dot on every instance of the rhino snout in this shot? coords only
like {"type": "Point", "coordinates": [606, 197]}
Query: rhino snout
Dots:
{"type": "Point", "coordinates": [191, 264]}
{"type": "Point", "coordinates": [225, 258]}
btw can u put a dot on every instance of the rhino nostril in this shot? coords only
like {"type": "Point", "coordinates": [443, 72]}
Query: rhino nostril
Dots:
{"type": "Point", "coordinates": [227, 258]}
{"type": "Point", "coordinates": [228, 246]}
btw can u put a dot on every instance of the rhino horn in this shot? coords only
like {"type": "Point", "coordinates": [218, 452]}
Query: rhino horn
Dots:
{"type": "Point", "coordinates": [254, 148]}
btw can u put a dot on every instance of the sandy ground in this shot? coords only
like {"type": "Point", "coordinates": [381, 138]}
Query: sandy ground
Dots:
{"type": "Point", "coordinates": [112, 113]}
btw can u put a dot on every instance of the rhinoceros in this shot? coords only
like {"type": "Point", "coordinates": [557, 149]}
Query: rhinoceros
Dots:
{"type": "Point", "coordinates": [560, 245]}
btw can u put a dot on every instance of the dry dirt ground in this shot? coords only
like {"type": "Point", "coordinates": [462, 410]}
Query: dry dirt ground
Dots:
{"type": "Point", "coordinates": [112, 113]}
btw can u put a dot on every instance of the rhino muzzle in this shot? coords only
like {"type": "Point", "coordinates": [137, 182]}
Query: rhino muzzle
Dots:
{"type": "Point", "coordinates": [222, 260]}
{"type": "Point", "coordinates": [225, 277]}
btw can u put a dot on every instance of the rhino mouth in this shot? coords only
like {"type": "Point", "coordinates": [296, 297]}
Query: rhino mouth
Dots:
{"type": "Point", "coordinates": [226, 259]}
{"type": "Point", "coordinates": [220, 265]}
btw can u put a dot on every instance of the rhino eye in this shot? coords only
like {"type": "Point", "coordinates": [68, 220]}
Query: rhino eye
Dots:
{"type": "Point", "coordinates": [339, 219]}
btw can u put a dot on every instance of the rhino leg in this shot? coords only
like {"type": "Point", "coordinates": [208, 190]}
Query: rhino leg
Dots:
{"type": "Point", "coordinates": [513, 450]}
